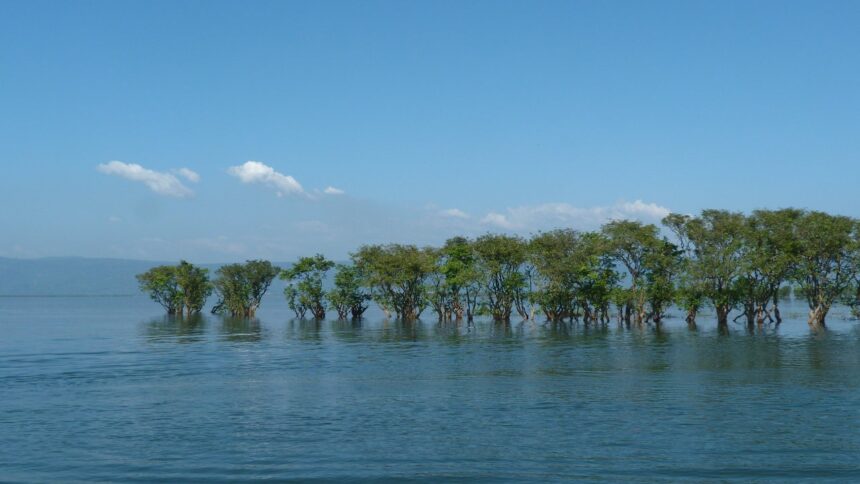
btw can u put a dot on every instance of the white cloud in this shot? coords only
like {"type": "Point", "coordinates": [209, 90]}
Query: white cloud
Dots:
{"type": "Point", "coordinates": [649, 210]}
{"type": "Point", "coordinates": [550, 215]}
{"type": "Point", "coordinates": [454, 213]}
{"type": "Point", "coordinates": [330, 190]}
{"type": "Point", "coordinates": [498, 220]}
{"type": "Point", "coordinates": [256, 172]}
{"type": "Point", "coordinates": [158, 182]}
{"type": "Point", "coordinates": [188, 174]}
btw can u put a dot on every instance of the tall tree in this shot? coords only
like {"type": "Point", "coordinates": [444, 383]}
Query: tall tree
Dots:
{"type": "Point", "coordinates": [770, 257]}
{"type": "Point", "coordinates": [690, 288]}
{"type": "Point", "coordinates": [347, 297]}
{"type": "Point", "coordinates": [160, 283]}
{"type": "Point", "coordinates": [597, 279]}
{"type": "Point", "coordinates": [650, 264]}
{"type": "Point", "coordinates": [304, 290]}
{"type": "Point", "coordinates": [180, 290]}
{"type": "Point", "coordinates": [396, 275]}
{"type": "Point", "coordinates": [455, 283]}
{"type": "Point", "coordinates": [715, 241]}
{"type": "Point", "coordinates": [827, 261]}
{"type": "Point", "coordinates": [664, 263]}
{"type": "Point", "coordinates": [500, 261]}
{"type": "Point", "coordinates": [194, 287]}
{"type": "Point", "coordinates": [241, 287]}
{"type": "Point", "coordinates": [556, 257]}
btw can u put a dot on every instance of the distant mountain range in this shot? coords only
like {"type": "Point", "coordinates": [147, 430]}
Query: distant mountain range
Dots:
{"type": "Point", "coordinates": [78, 276]}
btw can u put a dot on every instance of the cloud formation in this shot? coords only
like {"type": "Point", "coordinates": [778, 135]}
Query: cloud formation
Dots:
{"type": "Point", "coordinates": [550, 215]}
{"type": "Point", "coordinates": [330, 190]}
{"type": "Point", "coordinates": [160, 183]}
{"type": "Point", "coordinates": [188, 174]}
{"type": "Point", "coordinates": [454, 213]}
{"type": "Point", "coordinates": [256, 172]}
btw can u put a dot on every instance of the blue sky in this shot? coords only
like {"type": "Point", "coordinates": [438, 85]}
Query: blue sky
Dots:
{"type": "Point", "coordinates": [433, 118]}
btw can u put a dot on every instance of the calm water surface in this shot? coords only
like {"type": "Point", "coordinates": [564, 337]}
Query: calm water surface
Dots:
{"type": "Point", "coordinates": [106, 389]}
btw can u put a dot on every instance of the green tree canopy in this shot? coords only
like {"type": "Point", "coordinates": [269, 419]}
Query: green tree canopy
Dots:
{"type": "Point", "coordinates": [241, 287]}
{"type": "Point", "coordinates": [348, 296]}
{"type": "Point", "coordinates": [180, 290]}
{"type": "Point", "coordinates": [304, 291]}
{"type": "Point", "coordinates": [396, 275]}
{"type": "Point", "coordinates": [500, 262]}
{"type": "Point", "coordinates": [715, 242]}
{"type": "Point", "coordinates": [827, 261]}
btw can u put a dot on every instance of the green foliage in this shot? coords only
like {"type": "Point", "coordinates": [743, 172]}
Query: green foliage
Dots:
{"type": "Point", "coordinates": [500, 260]}
{"type": "Point", "coordinates": [347, 297]}
{"type": "Point", "coordinates": [715, 245]}
{"type": "Point", "coordinates": [574, 275]}
{"type": "Point", "coordinates": [241, 287]}
{"type": "Point", "coordinates": [827, 260]}
{"type": "Point", "coordinates": [160, 283]}
{"type": "Point", "coordinates": [395, 275]}
{"type": "Point", "coordinates": [194, 287]}
{"type": "Point", "coordinates": [455, 284]}
{"type": "Point", "coordinates": [556, 256]}
{"type": "Point", "coordinates": [180, 290]}
{"type": "Point", "coordinates": [663, 263]}
{"type": "Point", "coordinates": [721, 258]}
{"type": "Point", "coordinates": [771, 254]}
{"type": "Point", "coordinates": [305, 289]}
{"type": "Point", "coordinates": [651, 264]}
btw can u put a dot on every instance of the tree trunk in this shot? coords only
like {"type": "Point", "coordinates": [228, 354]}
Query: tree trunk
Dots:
{"type": "Point", "coordinates": [776, 309]}
{"type": "Point", "coordinates": [723, 316]}
{"type": "Point", "coordinates": [749, 312]}
{"type": "Point", "coordinates": [817, 316]}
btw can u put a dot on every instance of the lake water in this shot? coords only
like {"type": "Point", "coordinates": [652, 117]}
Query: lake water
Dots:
{"type": "Point", "coordinates": [106, 389]}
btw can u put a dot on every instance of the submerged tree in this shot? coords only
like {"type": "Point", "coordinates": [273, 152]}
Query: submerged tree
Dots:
{"type": "Point", "coordinates": [664, 263]}
{"type": "Point", "coordinates": [573, 275]}
{"type": "Point", "coordinates": [715, 243]}
{"type": "Point", "coordinates": [500, 262]}
{"type": "Point", "coordinates": [304, 291]}
{"type": "Point", "coordinates": [719, 258]}
{"type": "Point", "coordinates": [827, 261]}
{"type": "Point", "coordinates": [689, 290]}
{"type": "Point", "coordinates": [597, 279]}
{"type": "Point", "coordinates": [347, 297]}
{"type": "Point", "coordinates": [555, 256]}
{"type": "Point", "coordinates": [180, 290]}
{"type": "Point", "coordinates": [194, 287]}
{"type": "Point", "coordinates": [771, 256]}
{"type": "Point", "coordinates": [160, 283]}
{"type": "Point", "coordinates": [455, 283]}
{"type": "Point", "coordinates": [650, 262]}
{"type": "Point", "coordinates": [396, 275]}
{"type": "Point", "coordinates": [241, 287]}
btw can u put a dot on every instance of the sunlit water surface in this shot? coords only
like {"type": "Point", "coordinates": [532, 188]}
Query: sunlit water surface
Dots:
{"type": "Point", "coordinates": [106, 389]}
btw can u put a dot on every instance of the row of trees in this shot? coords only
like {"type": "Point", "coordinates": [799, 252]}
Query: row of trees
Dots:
{"type": "Point", "coordinates": [183, 289]}
{"type": "Point", "coordinates": [627, 270]}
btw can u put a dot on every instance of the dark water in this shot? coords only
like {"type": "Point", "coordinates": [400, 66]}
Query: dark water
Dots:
{"type": "Point", "coordinates": [105, 389]}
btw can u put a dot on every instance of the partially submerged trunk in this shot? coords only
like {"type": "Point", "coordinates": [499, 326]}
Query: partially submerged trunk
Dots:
{"type": "Point", "coordinates": [817, 316]}
{"type": "Point", "coordinates": [319, 312]}
{"type": "Point", "coordinates": [776, 314]}
{"type": "Point", "coordinates": [723, 316]}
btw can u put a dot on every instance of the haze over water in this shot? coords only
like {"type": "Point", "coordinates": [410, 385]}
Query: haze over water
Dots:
{"type": "Point", "coordinates": [107, 389]}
